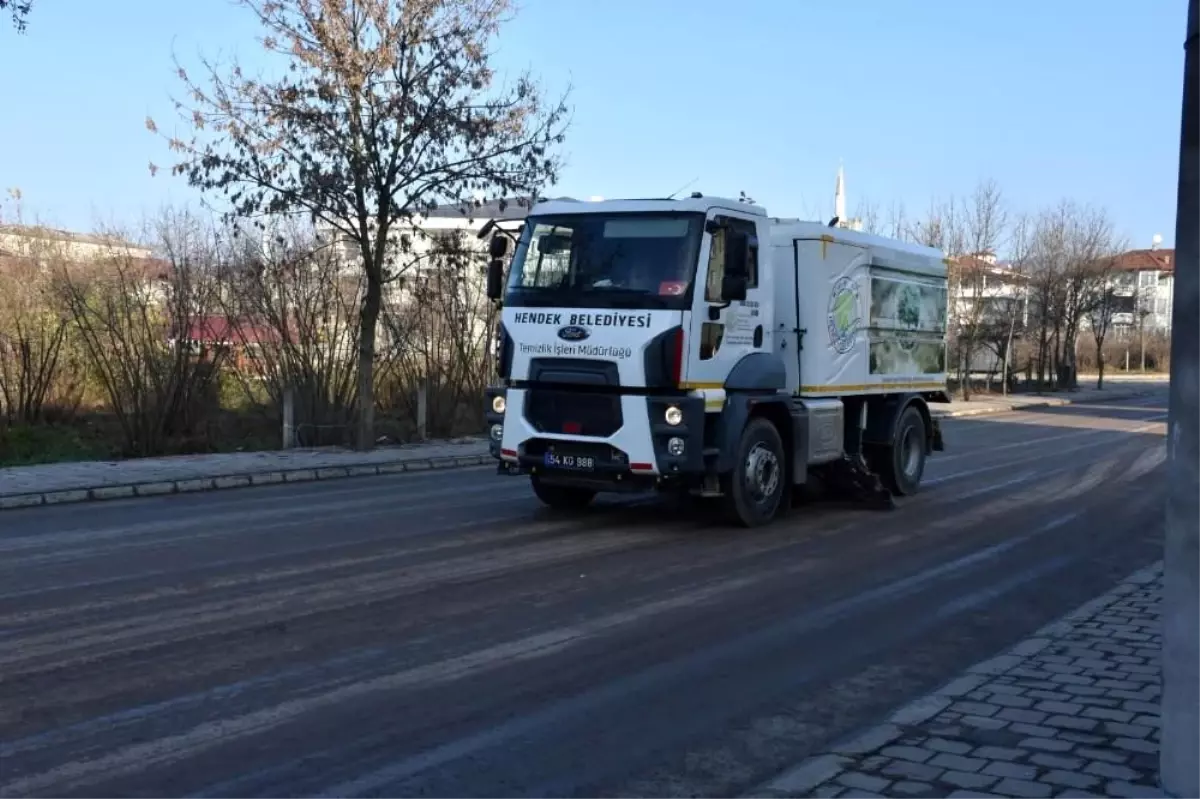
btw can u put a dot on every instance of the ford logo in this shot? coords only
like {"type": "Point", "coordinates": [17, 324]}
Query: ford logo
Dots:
{"type": "Point", "coordinates": [573, 333]}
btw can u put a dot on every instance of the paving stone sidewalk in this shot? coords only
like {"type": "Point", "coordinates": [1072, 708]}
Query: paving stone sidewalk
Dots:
{"type": "Point", "coordinates": [1071, 711]}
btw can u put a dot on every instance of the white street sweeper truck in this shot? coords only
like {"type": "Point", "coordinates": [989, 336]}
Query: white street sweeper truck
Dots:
{"type": "Point", "coordinates": [700, 345]}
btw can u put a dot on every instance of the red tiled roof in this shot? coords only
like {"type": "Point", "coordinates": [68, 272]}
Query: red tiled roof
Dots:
{"type": "Point", "coordinates": [1139, 260]}
{"type": "Point", "coordinates": [975, 264]}
{"type": "Point", "coordinates": [221, 329]}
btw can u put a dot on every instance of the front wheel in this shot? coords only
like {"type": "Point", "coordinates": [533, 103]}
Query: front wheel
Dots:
{"type": "Point", "coordinates": [754, 490]}
{"type": "Point", "coordinates": [562, 497]}
{"type": "Point", "coordinates": [901, 465]}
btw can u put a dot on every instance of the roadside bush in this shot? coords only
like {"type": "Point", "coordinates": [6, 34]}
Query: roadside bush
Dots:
{"type": "Point", "coordinates": [140, 323]}
{"type": "Point", "coordinates": [291, 312]}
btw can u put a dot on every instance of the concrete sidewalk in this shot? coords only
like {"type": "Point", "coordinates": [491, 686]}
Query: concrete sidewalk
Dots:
{"type": "Point", "coordinates": [56, 483]}
{"type": "Point", "coordinates": [980, 405]}
{"type": "Point", "coordinates": [1071, 711]}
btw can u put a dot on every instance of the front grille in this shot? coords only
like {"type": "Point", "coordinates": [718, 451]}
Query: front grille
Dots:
{"type": "Point", "coordinates": [573, 412]}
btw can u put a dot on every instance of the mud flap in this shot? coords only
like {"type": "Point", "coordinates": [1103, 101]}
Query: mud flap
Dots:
{"type": "Point", "coordinates": [850, 478]}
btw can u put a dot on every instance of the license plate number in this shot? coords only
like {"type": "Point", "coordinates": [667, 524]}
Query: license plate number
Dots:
{"type": "Point", "coordinates": [583, 463]}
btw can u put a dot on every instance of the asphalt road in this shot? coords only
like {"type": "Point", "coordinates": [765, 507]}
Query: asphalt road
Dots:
{"type": "Point", "coordinates": [443, 634]}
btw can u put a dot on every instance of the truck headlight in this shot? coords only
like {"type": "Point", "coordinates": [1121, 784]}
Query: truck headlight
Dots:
{"type": "Point", "coordinates": [497, 432]}
{"type": "Point", "coordinates": [498, 403]}
{"type": "Point", "coordinates": [673, 416]}
{"type": "Point", "coordinates": [675, 446]}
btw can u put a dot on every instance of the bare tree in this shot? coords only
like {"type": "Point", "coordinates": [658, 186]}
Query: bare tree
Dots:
{"type": "Point", "coordinates": [443, 336]}
{"type": "Point", "coordinates": [1087, 267]}
{"type": "Point", "coordinates": [33, 335]}
{"type": "Point", "coordinates": [941, 227]}
{"type": "Point", "coordinates": [1012, 311]}
{"type": "Point", "coordinates": [387, 109]}
{"type": "Point", "coordinates": [141, 324]}
{"type": "Point", "coordinates": [974, 282]}
{"type": "Point", "coordinates": [289, 312]}
{"type": "Point", "coordinates": [20, 12]}
{"type": "Point", "coordinates": [1067, 243]}
{"type": "Point", "coordinates": [40, 370]}
{"type": "Point", "coordinates": [868, 213]}
{"type": "Point", "coordinates": [898, 226]}
{"type": "Point", "coordinates": [1044, 265]}
{"type": "Point", "coordinates": [1100, 318]}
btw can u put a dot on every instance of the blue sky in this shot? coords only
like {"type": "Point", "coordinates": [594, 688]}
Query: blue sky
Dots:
{"type": "Point", "coordinates": [918, 98]}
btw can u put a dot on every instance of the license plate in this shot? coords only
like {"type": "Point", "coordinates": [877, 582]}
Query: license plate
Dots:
{"type": "Point", "coordinates": [578, 463]}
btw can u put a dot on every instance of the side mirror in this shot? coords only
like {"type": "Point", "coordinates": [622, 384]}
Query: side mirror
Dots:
{"type": "Point", "coordinates": [733, 288]}
{"type": "Point", "coordinates": [737, 246]}
{"type": "Point", "coordinates": [495, 279]}
{"type": "Point", "coordinates": [498, 246]}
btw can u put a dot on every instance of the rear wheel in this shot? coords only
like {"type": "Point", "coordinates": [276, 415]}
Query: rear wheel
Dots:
{"type": "Point", "coordinates": [901, 465]}
{"type": "Point", "coordinates": [754, 490]}
{"type": "Point", "coordinates": [562, 497]}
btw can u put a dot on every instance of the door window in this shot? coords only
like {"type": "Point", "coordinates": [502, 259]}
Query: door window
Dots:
{"type": "Point", "coordinates": [716, 258]}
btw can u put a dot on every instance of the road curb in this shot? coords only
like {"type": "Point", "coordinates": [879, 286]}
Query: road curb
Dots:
{"type": "Point", "coordinates": [237, 480]}
{"type": "Point", "coordinates": [803, 777]}
{"type": "Point", "coordinates": [310, 474]}
{"type": "Point", "coordinates": [1049, 402]}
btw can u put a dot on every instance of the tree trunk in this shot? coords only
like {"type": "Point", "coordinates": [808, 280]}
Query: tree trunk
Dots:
{"type": "Point", "coordinates": [964, 372]}
{"type": "Point", "coordinates": [1055, 357]}
{"type": "Point", "coordinates": [1007, 360]}
{"type": "Point", "coordinates": [364, 438]}
{"type": "Point", "coordinates": [1068, 361]}
{"type": "Point", "coordinates": [1043, 356]}
{"type": "Point", "coordinates": [1099, 365]}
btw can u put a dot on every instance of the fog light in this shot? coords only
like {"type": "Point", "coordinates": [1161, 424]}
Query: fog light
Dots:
{"type": "Point", "coordinates": [498, 403]}
{"type": "Point", "coordinates": [673, 416]}
{"type": "Point", "coordinates": [497, 432]}
{"type": "Point", "coordinates": [675, 446]}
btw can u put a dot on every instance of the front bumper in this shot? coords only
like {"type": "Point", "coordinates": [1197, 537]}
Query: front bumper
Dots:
{"type": "Point", "coordinates": [639, 448]}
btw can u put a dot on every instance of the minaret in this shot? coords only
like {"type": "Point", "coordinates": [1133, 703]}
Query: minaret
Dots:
{"type": "Point", "coordinates": [839, 203]}
{"type": "Point", "coordinates": [839, 196]}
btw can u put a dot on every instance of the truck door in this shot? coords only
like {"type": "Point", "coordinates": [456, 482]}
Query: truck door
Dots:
{"type": "Point", "coordinates": [722, 332]}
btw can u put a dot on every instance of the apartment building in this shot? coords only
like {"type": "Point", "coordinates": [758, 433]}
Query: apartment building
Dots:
{"type": "Point", "coordinates": [36, 240]}
{"type": "Point", "coordinates": [1144, 284]}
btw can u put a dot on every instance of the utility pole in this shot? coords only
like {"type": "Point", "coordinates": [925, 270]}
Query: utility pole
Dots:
{"type": "Point", "coordinates": [1179, 761]}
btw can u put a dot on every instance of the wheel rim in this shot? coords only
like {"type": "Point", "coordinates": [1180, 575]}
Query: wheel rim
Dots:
{"type": "Point", "coordinates": [910, 453]}
{"type": "Point", "coordinates": [762, 472]}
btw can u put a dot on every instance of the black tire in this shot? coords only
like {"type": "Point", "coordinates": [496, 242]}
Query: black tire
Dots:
{"type": "Point", "coordinates": [754, 490]}
{"type": "Point", "coordinates": [562, 497]}
{"type": "Point", "coordinates": [901, 465]}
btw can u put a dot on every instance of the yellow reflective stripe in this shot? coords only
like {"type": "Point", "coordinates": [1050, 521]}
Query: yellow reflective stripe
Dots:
{"type": "Point", "coordinates": [869, 387]}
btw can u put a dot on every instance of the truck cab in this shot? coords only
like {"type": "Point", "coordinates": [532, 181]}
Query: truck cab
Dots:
{"type": "Point", "coordinates": [642, 346]}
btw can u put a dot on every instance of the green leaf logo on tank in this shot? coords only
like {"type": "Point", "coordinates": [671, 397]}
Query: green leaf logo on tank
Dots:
{"type": "Point", "coordinates": [908, 311]}
{"type": "Point", "coordinates": [843, 320]}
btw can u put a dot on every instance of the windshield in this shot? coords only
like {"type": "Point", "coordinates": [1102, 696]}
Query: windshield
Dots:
{"type": "Point", "coordinates": [606, 261]}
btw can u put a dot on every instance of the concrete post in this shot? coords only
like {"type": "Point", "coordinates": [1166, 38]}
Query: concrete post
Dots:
{"type": "Point", "coordinates": [289, 418]}
{"type": "Point", "coordinates": [1180, 751]}
{"type": "Point", "coordinates": [1142, 338]}
{"type": "Point", "coordinates": [422, 409]}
